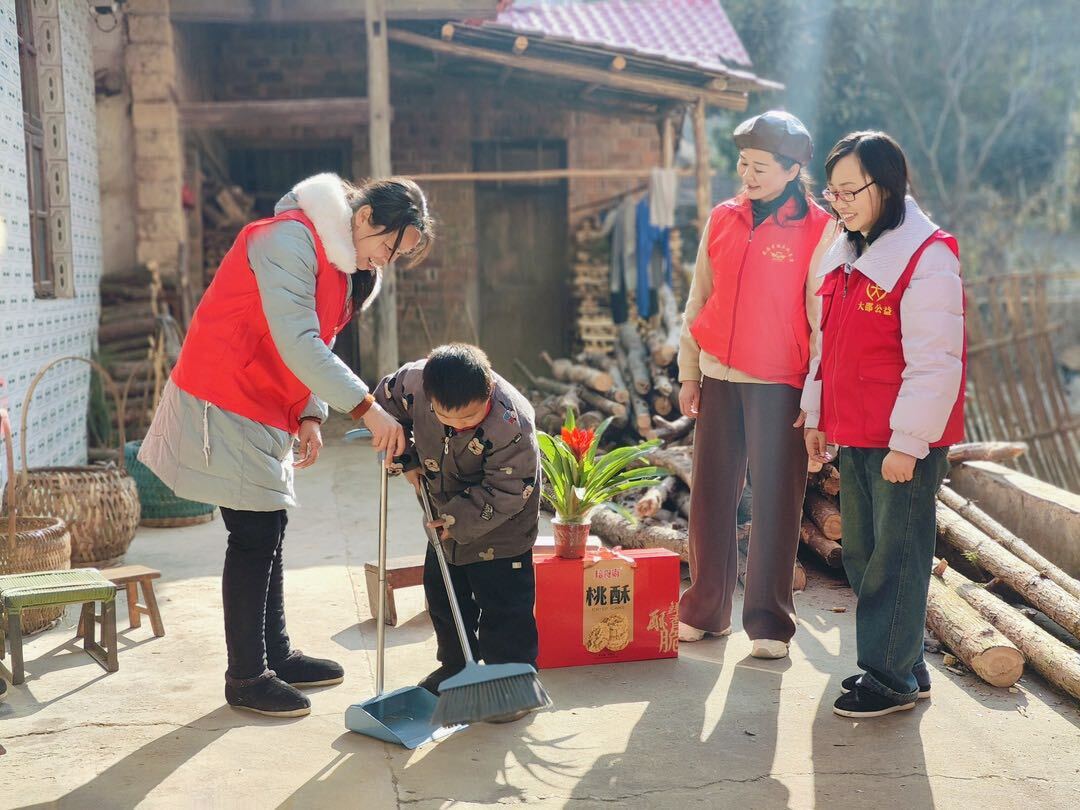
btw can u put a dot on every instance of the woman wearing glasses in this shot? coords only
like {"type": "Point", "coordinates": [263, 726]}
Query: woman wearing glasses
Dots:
{"type": "Point", "coordinates": [890, 392]}
{"type": "Point", "coordinates": [256, 371]}
{"type": "Point", "coordinates": [745, 351]}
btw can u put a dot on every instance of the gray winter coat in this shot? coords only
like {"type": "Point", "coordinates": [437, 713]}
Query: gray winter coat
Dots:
{"type": "Point", "coordinates": [208, 454]}
{"type": "Point", "coordinates": [485, 481]}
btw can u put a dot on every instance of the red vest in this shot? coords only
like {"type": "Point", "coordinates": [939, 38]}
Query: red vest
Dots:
{"type": "Point", "coordinates": [755, 318]}
{"type": "Point", "coordinates": [229, 358]}
{"type": "Point", "coordinates": [862, 357]}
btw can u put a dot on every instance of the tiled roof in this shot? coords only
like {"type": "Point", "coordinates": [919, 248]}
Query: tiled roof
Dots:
{"type": "Point", "coordinates": [695, 32]}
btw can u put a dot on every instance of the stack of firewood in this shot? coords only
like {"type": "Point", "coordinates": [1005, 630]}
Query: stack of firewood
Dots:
{"type": "Point", "coordinates": [634, 383]}
{"type": "Point", "coordinates": [225, 210]}
{"type": "Point", "coordinates": [591, 288]}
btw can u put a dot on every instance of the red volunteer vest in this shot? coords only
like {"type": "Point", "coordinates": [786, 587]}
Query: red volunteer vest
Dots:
{"type": "Point", "coordinates": [229, 358]}
{"type": "Point", "coordinates": [862, 357]}
{"type": "Point", "coordinates": [755, 318]}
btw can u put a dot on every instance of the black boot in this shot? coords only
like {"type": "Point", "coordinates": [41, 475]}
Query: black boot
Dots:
{"type": "Point", "coordinates": [267, 695]}
{"type": "Point", "coordinates": [302, 670]}
{"type": "Point", "coordinates": [432, 681]}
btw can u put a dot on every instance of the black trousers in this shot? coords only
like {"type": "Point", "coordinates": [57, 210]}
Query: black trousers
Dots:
{"type": "Point", "coordinates": [496, 599]}
{"type": "Point", "coordinates": [252, 592]}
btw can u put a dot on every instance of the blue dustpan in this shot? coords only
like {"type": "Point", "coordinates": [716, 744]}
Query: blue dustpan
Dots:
{"type": "Point", "coordinates": [403, 716]}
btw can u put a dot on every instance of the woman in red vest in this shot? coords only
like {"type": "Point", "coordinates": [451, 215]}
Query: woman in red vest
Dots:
{"type": "Point", "coordinates": [255, 373]}
{"type": "Point", "coordinates": [745, 352]}
{"type": "Point", "coordinates": [890, 392]}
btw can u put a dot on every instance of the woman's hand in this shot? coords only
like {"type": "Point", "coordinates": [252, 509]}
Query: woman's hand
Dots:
{"type": "Point", "coordinates": [387, 434]}
{"type": "Point", "coordinates": [690, 398]}
{"type": "Point", "coordinates": [816, 445]}
{"type": "Point", "coordinates": [801, 420]}
{"type": "Point", "coordinates": [898, 468]}
{"type": "Point", "coordinates": [310, 435]}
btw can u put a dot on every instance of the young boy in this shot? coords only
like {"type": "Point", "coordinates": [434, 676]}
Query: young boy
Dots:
{"type": "Point", "coordinates": [474, 442]}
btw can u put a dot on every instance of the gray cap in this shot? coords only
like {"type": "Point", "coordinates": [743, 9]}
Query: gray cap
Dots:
{"type": "Point", "coordinates": [778, 132]}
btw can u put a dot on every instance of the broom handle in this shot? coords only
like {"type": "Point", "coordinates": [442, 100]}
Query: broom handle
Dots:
{"type": "Point", "coordinates": [433, 538]}
{"type": "Point", "coordinates": [380, 631]}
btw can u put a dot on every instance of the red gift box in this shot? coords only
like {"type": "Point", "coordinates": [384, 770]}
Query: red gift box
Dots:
{"type": "Point", "coordinates": [607, 608]}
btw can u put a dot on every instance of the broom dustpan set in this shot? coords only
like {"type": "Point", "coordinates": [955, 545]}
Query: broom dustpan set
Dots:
{"type": "Point", "coordinates": [412, 716]}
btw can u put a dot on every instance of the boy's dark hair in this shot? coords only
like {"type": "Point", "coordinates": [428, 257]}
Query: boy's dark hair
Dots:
{"type": "Point", "coordinates": [884, 162]}
{"type": "Point", "coordinates": [457, 375]}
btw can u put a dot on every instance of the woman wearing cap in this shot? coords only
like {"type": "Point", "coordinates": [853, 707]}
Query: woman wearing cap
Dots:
{"type": "Point", "coordinates": [749, 330]}
{"type": "Point", "coordinates": [256, 373]}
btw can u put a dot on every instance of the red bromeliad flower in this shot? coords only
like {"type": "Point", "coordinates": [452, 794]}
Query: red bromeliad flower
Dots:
{"type": "Point", "coordinates": [578, 440]}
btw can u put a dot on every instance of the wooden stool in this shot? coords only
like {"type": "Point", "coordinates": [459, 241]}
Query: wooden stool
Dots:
{"type": "Point", "coordinates": [401, 572]}
{"type": "Point", "coordinates": [80, 586]}
{"type": "Point", "coordinates": [130, 577]}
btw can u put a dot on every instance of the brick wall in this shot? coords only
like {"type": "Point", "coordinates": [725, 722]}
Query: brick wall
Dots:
{"type": "Point", "coordinates": [32, 330]}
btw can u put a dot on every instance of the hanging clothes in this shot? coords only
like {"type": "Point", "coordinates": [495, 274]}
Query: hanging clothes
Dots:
{"type": "Point", "coordinates": [653, 255]}
{"type": "Point", "coordinates": [621, 223]}
{"type": "Point", "coordinates": [663, 191]}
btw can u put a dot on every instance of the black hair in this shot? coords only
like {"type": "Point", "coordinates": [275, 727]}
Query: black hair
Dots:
{"type": "Point", "coordinates": [457, 375]}
{"type": "Point", "coordinates": [396, 203]}
{"type": "Point", "coordinates": [798, 189]}
{"type": "Point", "coordinates": [884, 163]}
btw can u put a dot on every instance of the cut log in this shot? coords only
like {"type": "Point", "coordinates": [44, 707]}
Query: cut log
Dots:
{"type": "Point", "coordinates": [828, 550]}
{"type": "Point", "coordinates": [826, 481]}
{"type": "Point", "coordinates": [661, 382]}
{"type": "Point", "coordinates": [678, 460]}
{"type": "Point", "coordinates": [616, 530]}
{"type": "Point", "coordinates": [999, 534]}
{"type": "Point", "coordinates": [1055, 661]}
{"type": "Point", "coordinates": [654, 498]}
{"type": "Point", "coordinates": [609, 364]}
{"type": "Point", "coordinates": [798, 579]}
{"type": "Point", "coordinates": [825, 513]}
{"type": "Point", "coordinates": [599, 402]}
{"type": "Point", "coordinates": [661, 406]}
{"type": "Point", "coordinates": [681, 497]}
{"type": "Point", "coordinates": [1037, 590]}
{"type": "Point", "coordinates": [129, 328]}
{"type": "Point", "coordinates": [986, 451]}
{"type": "Point", "coordinates": [590, 420]}
{"type": "Point", "coordinates": [634, 350]}
{"type": "Point", "coordinates": [973, 639]}
{"type": "Point", "coordinates": [663, 341]}
{"type": "Point", "coordinates": [673, 431]}
{"type": "Point", "coordinates": [568, 371]}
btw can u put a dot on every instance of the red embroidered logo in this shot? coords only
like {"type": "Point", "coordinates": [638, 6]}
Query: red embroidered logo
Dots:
{"type": "Point", "coordinates": [778, 252]}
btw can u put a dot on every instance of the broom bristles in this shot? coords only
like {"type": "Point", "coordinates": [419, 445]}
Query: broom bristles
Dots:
{"type": "Point", "coordinates": [478, 702]}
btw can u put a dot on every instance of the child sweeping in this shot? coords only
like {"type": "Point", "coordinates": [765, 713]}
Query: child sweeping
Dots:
{"type": "Point", "coordinates": [473, 441]}
{"type": "Point", "coordinates": [890, 392]}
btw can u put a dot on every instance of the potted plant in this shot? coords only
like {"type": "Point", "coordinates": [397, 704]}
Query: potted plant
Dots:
{"type": "Point", "coordinates": [577, 481]}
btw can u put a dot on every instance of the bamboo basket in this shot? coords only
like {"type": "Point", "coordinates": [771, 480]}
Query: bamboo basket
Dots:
{"type": "Point", "coordinates": [31, 543]}
{"type": "Point", "coordinates": [100, 504]}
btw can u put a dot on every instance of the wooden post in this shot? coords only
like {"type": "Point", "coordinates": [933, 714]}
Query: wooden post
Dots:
{"type": "Point", "coordinates": [378, 79]}
{"type": "Point", "coordinates": [667, 141]}
{"type": "Point", "coordinates": [701, 145]}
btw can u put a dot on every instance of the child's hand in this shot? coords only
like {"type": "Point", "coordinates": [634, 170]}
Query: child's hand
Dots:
{"type": "Point", "coordinates": [816, 445]}
{"type": "Point", "coordinates": [413, 477]}
{"type": "Point", "coordinates": [898, 468]}
{"type": "Point", "coordinates": [441, 526]}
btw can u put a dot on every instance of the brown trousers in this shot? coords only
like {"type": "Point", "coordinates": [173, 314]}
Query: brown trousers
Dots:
{"type": "Point", "coordinates": [738, 422]}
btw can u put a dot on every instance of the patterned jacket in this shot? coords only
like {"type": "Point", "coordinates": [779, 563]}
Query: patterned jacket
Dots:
{"type": "Point", "coordinates": [485, 481]}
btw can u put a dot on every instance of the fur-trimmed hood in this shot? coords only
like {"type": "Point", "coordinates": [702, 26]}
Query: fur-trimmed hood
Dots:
{"type": "Point", "coordinates": [322, 199]}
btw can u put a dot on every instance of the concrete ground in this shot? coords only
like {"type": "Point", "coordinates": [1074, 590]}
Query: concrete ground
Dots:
{"type": "Point", "coordinates": [714, 728]}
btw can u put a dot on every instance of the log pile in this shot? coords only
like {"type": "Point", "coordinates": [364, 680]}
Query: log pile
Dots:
{"type": "Point", "coordinates": [225, 209]}
{"type": "Point", "coordinates": [591, 288]}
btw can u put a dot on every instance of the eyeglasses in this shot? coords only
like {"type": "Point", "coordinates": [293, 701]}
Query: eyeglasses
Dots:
{"type": "Point", "coordinates": [846, 196]}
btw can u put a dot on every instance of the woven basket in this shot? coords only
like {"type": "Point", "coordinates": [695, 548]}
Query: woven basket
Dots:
{"type": "Point", "coordinates": [160, 507]}
{"type": "Point", "coordinates": [31, 543]}
{"type": "Point", "coordinates": [99, 504]}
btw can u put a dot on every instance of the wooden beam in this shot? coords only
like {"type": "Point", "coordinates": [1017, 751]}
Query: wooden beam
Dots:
{"type": "Point", "coordinates": [299, 112]}
{"type": "Point", "coordinates": [537, 175]}
{"type": "Point", "coordinates": [701, 147]}
{"type": "Point", "coordinates": [234, 11]}
{"type": "Point", "coordinates": [378, 80]}
{"type": "Point", "coordinates": [574, 72]}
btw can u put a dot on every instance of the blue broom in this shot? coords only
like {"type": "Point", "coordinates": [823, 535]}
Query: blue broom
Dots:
{"type": "Point", "coordinates": [480, 692]}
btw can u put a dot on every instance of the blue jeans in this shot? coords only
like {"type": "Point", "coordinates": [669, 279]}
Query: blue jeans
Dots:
{"type": "Point", "coordinates": [889, 531]}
